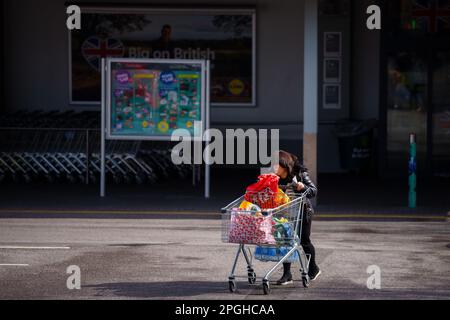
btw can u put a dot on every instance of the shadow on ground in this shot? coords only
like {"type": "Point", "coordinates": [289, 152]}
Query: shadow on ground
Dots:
{"type": "Point", "coordinates": [219, 290]}
{"type": "Point", "coordinates": [183, 289]}
{"type": "Point", "coordinates": [160, 289]}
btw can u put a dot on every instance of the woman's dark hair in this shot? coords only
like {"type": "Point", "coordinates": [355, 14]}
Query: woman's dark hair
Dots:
{"type": "Point", "coordinates": [291, 163]}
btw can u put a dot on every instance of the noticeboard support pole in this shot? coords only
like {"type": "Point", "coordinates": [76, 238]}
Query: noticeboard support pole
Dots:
{"type": "Point", "coordinates": [103, 128]}
{"type": "Point", "coordinates": [207, 92]}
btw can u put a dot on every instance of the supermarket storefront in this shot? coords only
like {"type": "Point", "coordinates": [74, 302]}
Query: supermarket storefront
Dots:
{"type": "Point", "coordinates": [298, 66]}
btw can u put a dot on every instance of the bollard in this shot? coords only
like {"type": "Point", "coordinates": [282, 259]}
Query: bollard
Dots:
{"type": "Point", "coordinates": [412, 171]}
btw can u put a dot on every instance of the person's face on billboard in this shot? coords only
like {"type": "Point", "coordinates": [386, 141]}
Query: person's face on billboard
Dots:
{"type": "Point", "coordinates": [166, 32]}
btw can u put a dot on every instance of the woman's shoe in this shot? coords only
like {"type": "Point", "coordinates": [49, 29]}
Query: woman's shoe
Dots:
{"type": "Point", "coordinates": [285, 280]}
{"type": "Point", "coordinates": [314, 275]}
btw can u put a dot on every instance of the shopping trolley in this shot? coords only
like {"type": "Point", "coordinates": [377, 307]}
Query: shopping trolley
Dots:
{"type": "Point", "coordinates": [261, 229]}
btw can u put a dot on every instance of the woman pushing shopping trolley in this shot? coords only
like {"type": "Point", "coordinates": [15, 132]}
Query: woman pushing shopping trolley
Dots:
{"type": "Point", "coordinates": [274, 215]}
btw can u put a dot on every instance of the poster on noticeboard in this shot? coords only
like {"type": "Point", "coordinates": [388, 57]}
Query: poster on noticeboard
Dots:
{"type": "Point", "coordinates": [225, 37]}
{"type": "Point", "coordinates": [150, 99]}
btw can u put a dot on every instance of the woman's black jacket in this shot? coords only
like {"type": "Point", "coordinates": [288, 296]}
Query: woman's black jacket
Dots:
{"type": "Point", "coordinates": [310, 188]}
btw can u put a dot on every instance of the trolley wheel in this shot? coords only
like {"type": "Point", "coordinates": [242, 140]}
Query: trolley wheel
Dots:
{"type": "Point", "coordinates": [140, 179]}
{"type": "Point", "coordinates": [251, 277]}
{"type": "Point", "coordinates": [117, 179]}
{"type": "Point", "coordinates": [93, 178]}
{"type": "Point", "coordinates": [128, 179]}
{"type": "Point", "coordinates": [232, 286]}
{"type": "Point", "coordinates": [71, 178]}
{"type": "Point", "coordinates": [266, 288]}
{"type": "Point", "coordinates": [305, 281]}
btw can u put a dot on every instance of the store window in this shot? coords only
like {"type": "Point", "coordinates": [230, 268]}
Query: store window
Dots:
{"type": "Point", "coordinates": [407, 105]}
{"type": "Point", "coordinates": [420, 17]}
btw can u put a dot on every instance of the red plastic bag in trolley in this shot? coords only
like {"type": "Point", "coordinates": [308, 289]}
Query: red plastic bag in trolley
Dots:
{"type": "Point", "coordinates": [262, 193]}
{"type": "Point", "coordinates": [247, 228]}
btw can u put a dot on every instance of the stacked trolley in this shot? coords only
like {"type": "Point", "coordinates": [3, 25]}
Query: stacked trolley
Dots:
{"type": "Point", "coordinates": [54, 146]}
{"type": "Point", "coordinates": [251, 228]}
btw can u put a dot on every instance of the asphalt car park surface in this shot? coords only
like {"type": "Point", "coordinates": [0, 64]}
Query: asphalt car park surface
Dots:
{"type": "Point", "coordinates": [186, 259]}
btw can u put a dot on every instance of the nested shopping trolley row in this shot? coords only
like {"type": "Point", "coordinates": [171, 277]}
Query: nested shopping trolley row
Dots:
{"type": "Point", "coordinates": [275, 233]}
{"type": "Point", "coordinates": [65, 146]}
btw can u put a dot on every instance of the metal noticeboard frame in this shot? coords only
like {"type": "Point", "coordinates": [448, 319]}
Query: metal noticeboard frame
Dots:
{"type": "Point", "coordinates": [106, 106]}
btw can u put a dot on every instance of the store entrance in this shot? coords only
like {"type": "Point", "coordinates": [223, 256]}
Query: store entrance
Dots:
{"type": "Point", "coordinates": [440, 117]}
{"type": "Point", "coordinates": [416, 71]}
{"type": "Point", "coordinates": [418, 101]}
{"type": "Point", "coordinates": [407, 107]}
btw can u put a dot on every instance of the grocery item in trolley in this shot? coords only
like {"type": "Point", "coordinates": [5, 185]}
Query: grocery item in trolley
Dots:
{"type": "Point", "coordinates": [262, 193]}
{"type": "Point", "coordinates": [283, 232]}
{"type": "Point", "coordinates": [274, 254]}
{"type": "Point", "coordinates": [248, 206]}
{"type": "Point", "coordinates": [281, 198]}
{"type": "Point", "coordinates": [251, 228]}
{"type": "Point", "coordinates": [266, 193]}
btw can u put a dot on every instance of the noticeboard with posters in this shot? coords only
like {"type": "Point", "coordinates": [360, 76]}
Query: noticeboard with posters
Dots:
{"type": "Point", "coordinates": [148, 99]}
{"type": "Point", "coordinates": [226, 37]}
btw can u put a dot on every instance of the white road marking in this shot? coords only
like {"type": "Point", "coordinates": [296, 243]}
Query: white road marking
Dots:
{"type": "Point", "coordinates": [35, 248]}
{"type": "Point", "coordinates": [13, 265]}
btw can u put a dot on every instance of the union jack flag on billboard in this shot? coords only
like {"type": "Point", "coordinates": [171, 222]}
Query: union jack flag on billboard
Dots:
{"type": "Point", "coordinates": [429, 15]}
{"type": "Point", "coordinates": [95, 48]}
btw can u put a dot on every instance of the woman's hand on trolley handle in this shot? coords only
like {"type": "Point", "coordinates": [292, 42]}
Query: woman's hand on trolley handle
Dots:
{"type": "Point", "coordinates": [297, 186]}
{"type": "Point", "coordinates": [300, 186]}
